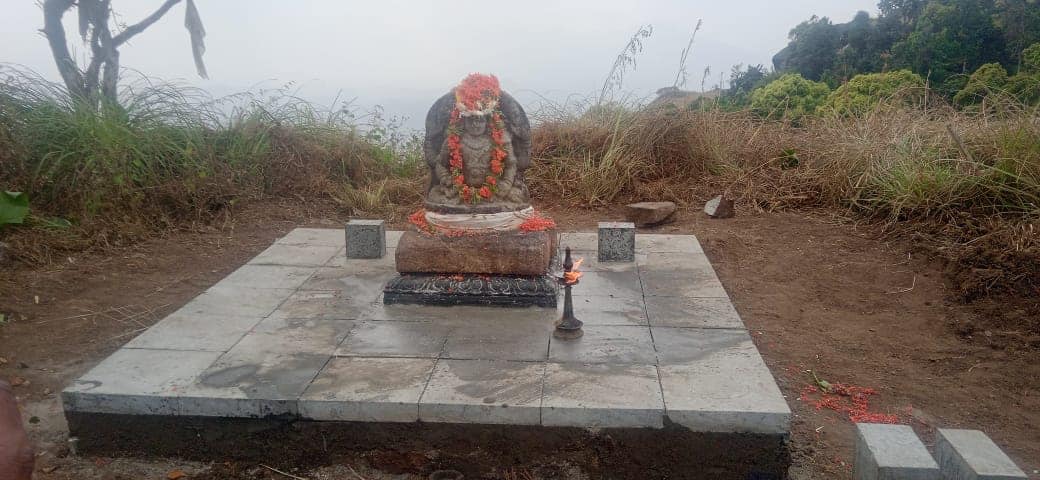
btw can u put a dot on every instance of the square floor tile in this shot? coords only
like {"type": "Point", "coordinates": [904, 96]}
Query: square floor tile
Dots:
{"type": "Point", "coordinates": [367, 390]}
{"type": "Point", "coordinates": [499, 339]}
{"type": "Point", "coordinates": [386, 263]}
{"type": "Point", "coordinates": [262, 375]}
{"type": "Point", "coordinates": [136, 381]}
{"type": "Point", "coordinates": [667, 243]}
{"type": "Point", "coordinates": [692, 312]}
{"type": "Point", "coordinates": [675, 261]}
{"type": "Point", "coordinates": [335, 237]}
{"type": "Point", "coordinates": [602, 395]}
{"type": "Point", "coordinates": [332, 304]}
{"type": "Point", "coordinates": [483, 392]}
{"type": "Point", "coordinates": [686, 345]}
{"type": "Point", "coordinates": [606, 344]}
{"type": "Point", "coordinates": [294, 335]}
{"type": "Point", "coordinates": [725, 390]}
{"type": "Point", "coordinates": [235, 301]}
{"type": "Point", "coordinates": [593, 310]}
{"type": "Point", "coordinates": [395, 339]}
{"type": "Point", "coordinates": [624, 284]}
{"type": "Point", "coordinates": [296, 255]}
{"type": "Point", "coordinates": [268, 276]}
{"type": "Point", "coordinates": [214, 333]}
{"type": "Point", "coordinates": [364, 286]}
{"type": "Point", "coordinates": [690, 283]}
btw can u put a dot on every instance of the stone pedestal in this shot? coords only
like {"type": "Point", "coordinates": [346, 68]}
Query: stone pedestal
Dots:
{"type": "Point", "coordinates": [470, 289]}
{"type": "Point", "coordinates": [508, 269]}
{"type": "Point", "coordinates": [499, 253]}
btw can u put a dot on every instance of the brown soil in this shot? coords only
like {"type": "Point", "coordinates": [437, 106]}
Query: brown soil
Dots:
{"type": "Point", "coordinates": [815, 292]}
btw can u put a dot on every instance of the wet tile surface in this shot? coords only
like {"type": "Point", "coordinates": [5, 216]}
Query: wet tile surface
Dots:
{"type": "Point", "coordinates": [301, 331]}
{"type": "Point", "coordinates": [486, 392]}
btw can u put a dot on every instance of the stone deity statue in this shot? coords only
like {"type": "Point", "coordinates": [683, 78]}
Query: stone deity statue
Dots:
{"type": "Point", "coordinates": [478, 144]}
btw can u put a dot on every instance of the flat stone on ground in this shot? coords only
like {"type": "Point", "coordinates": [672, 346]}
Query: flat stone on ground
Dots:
{"type": "Point", "coordinates": [646, 214]}
{"type": "Point", "coordinates": [485, 392]}
{"type": "Point", "coordinates": [602, 395]}
{"type": "Point", "coordinates": [367, 390]}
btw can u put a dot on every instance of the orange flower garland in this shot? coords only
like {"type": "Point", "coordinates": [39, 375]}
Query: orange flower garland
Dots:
{"type": "Point", "coordinates": [478, 94]}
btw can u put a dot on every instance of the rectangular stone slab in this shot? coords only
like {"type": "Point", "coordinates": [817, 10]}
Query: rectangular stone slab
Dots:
{"type": "Point", "coordinates": [506, 253]}
{"type": "Point", "coordinates": [971, 455]}
{"type": "Point", "coordinates": [326, 347]}
{"type": "Point", "coordinates": [889, 452]}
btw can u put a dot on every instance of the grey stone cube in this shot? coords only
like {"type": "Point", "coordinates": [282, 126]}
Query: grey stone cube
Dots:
{"type": "Point", "coordinates": [971, 455]}
{"type": "Point", "coordinates": [617, 242]}
{"type": "Point", "coordinates": [891, 452]}
{"type": "Point", "coordinates": [366, 239]}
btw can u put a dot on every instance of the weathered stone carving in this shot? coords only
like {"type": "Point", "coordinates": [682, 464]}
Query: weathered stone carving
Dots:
{"type": "Point", "coordinates": [478, 145]}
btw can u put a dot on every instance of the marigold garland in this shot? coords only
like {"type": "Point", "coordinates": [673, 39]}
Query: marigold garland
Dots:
{"type": "Point", "coordinates": [537, 223]}
{"type": "Point", "coordinates": [478, 94]}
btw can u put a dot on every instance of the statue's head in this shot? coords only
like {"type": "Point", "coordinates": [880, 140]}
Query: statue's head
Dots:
{"type": "Point", "coordinates": [474, 124]}
{"type": "Point", "coordinates": [477, 94]}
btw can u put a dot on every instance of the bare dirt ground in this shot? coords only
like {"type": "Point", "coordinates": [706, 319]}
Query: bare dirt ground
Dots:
{"type": "Point", "coordinates": [815, 292]}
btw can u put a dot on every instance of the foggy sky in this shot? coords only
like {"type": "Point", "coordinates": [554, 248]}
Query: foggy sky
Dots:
{"type": "Point", "coordinates": [403, 54]}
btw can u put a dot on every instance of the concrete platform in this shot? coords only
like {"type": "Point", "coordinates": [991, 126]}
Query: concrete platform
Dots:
{"type": "Point", "coordinates": [300, 332]}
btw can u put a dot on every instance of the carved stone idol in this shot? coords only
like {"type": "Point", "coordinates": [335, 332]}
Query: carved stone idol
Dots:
{"type": "Point", "coordinates": [478, 144]}
{"type": "Point", "coordinates": [478, 241]}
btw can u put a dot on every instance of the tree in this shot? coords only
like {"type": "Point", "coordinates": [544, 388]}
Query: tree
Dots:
{"type": "Point", "coordinates": [951, 37]}
{"type": "Point", "coordinates": [99, 80]}
{"type": "Point", "coordinates": [812, 50]}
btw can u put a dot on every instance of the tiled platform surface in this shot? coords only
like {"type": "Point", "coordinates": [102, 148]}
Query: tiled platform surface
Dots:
{"type": "Point", "coordinates": [300, 331]}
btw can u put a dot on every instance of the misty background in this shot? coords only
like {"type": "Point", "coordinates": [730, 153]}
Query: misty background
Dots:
{"type": "Point", "coordinates": [403, 54]}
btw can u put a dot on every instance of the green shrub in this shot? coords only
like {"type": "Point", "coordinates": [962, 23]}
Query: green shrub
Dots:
{"type": "Point", "coordinates": [988, 79]}
{"type": "Point", "coordinates": [790, 96]}
{"type": "Point", "coordinates": [1031, 59]}
{"type": "Point", "coordinates": [864, 92]}
{"type": "Point", "coordinates": [1025, 88]}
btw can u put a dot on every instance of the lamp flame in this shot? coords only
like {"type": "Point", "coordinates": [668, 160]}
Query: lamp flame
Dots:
{"type": "Point", "coordinates": [571, 277]}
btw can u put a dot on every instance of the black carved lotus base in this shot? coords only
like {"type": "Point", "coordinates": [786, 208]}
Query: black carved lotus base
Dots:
{"type": "Point", "coordinates": [498, 291]}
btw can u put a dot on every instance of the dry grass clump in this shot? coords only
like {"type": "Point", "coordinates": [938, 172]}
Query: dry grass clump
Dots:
{"type": "Point", "coordinates": [964, 181]}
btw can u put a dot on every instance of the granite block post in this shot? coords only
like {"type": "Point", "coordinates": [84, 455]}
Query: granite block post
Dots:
{"type": "Point", "coordinates": [971, 455]}
{"type": "Point", "coordinates": [617, 242]}
{"type": "Point", "coordinates": [366, 239]}
{"type": "Point", "coordinates": [891, 452]}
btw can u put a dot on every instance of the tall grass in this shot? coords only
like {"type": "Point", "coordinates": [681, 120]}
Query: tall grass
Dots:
{"type": "Point", "coordinates": [167, 154]}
